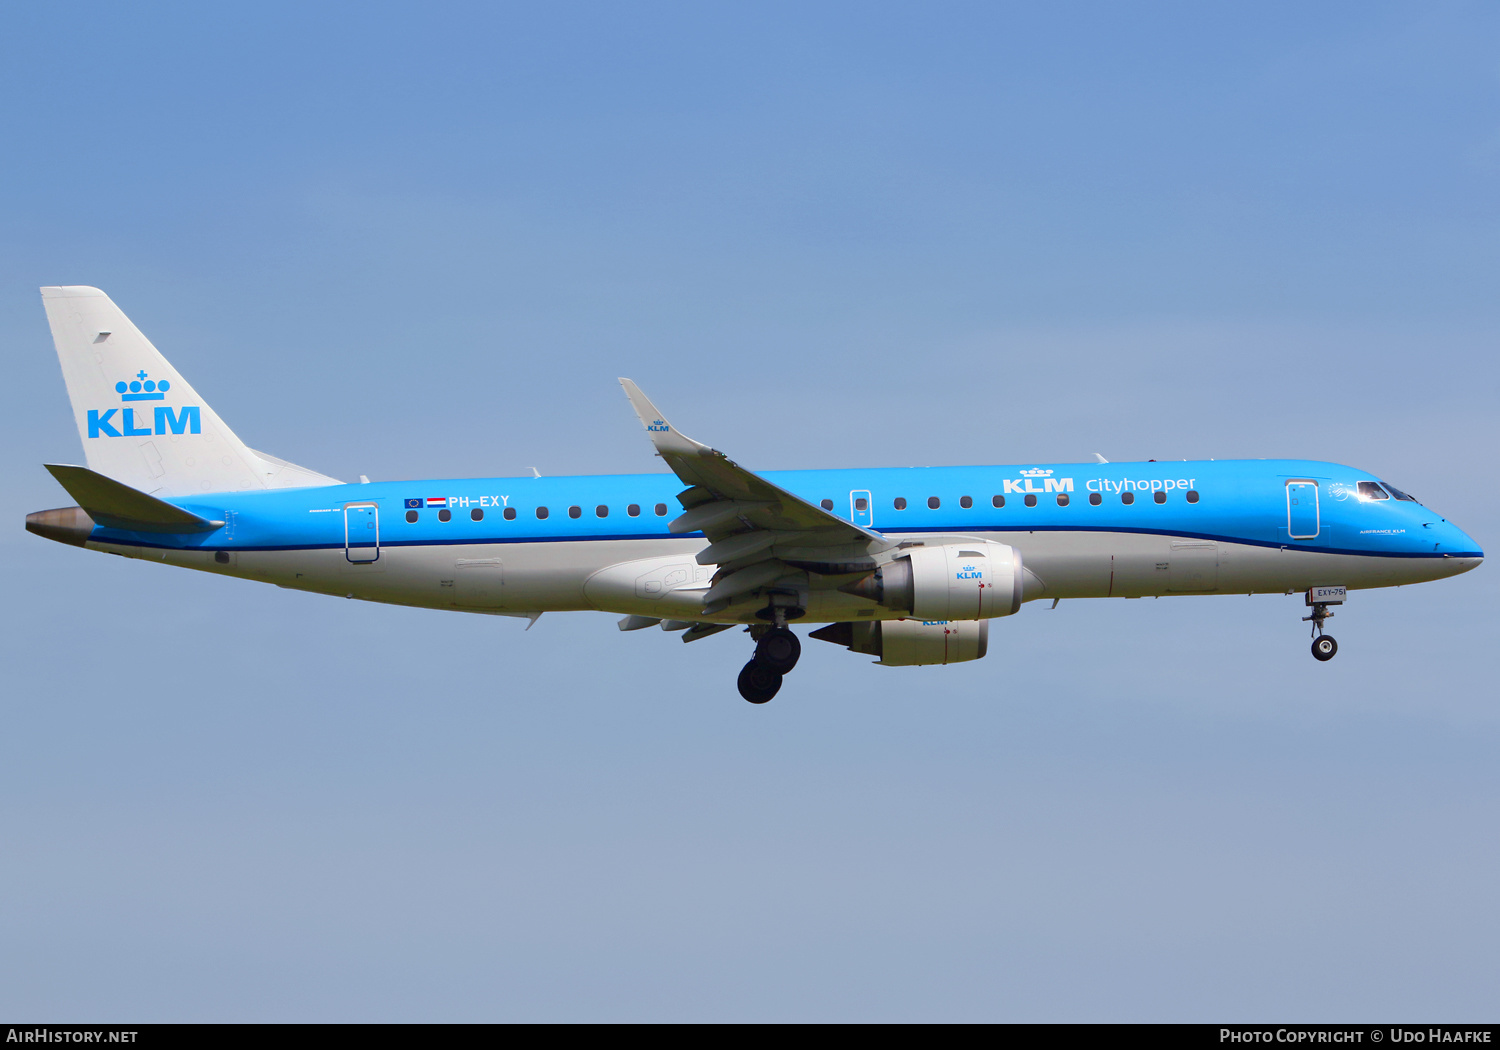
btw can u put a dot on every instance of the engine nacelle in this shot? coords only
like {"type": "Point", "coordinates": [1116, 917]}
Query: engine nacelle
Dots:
{"type": "Point", "coordinates": [956, 581]}
{"type": "Point", "coordinates": [910, 643]}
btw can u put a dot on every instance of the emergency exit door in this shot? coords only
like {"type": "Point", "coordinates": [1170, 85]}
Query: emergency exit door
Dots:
{"type": "Point", "coordinates": [1302, 510]}
{"type": "Point", "coordinates": [860, 511]}
{"type": "Point", "coordinates": [362, 533]}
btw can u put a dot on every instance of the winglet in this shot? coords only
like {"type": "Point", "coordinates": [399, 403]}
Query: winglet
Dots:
{"type": "Point", "coordinates": [662, 434]}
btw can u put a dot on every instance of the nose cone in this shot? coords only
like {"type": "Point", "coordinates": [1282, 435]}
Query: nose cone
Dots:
{"type": "Point", "coordinates": [65, 525]}
{"type": "Point", "coordinates": [1456, 546]}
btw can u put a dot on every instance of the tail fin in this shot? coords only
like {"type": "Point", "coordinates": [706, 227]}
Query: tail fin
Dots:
{"type": "Point", "coordinates": [141, 422]}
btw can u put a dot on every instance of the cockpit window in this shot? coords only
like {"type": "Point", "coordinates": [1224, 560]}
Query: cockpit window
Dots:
{"type": "Point", "coordinates": [1394, 491]}
{"type": "Point", "coordinates": [1369, 490]}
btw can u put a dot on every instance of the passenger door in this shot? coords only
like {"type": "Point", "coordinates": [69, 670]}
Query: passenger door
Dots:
{"type": "Point", "coordinates": [1302, 510]}
{"type": "Point", "coordinates": [362, 533]}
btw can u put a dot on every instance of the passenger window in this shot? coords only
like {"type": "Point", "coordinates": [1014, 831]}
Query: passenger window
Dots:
{"type": "Point", "coordinates": [476, 514]}
{"type": "Point", "coordinates": [602, 511]}
{"type": "Point", "coordinates": [1095, 499]}
{"type": "Point", "coordinates": [411, 517]}
{"type": "Point", "coordinates": [574, 512]}
{"type": "Point", "coordinates": [900, 503]}
{"type": "Point", "coordinates": [541, 512]}
{"type": "Point", "coordinates": [860, 503]}
{"type": "Point", "coordinates": [965, 502]}
{"type": "Point", "coordinates": [1160, 497]}
{"type": "Point", "coordinates": [1062, 499]}
{"type": "Point", "coordinates": [661, 510]}
{"type": "Point", "coordinates": [445, 515]}
{"type": "Point", "coordinates": [933, 503]}
{"type": "Point", "coordinates": [1192, 496]}
{"type": "Point", "coordinates": [997, 501]}
{"type": "Point", "coordinates": [510, 513]}
{"type": "Point", "coordinates": [1368, 490]}
{"type": "Point", "coordinates": [634, 510]}
{"type": "Point", "coordinates": [1030, 500]}
{"type": "Point", "coordinates": [827, 504]}
{"type": "Point", "coordinates": [1127, 498]}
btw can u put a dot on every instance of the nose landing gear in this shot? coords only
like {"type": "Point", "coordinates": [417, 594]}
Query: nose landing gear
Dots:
{"type": "Point", "coordinates": [777, 650]}
{"type": "Point", "coordinates": [1324, 648]}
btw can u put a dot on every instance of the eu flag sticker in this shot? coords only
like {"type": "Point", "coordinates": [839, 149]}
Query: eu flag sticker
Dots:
{"type": "Point", "coordinates": [413, 504]}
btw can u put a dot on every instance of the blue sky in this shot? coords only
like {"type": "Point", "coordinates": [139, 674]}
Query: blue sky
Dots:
{"type": "Point", "coordinates": [416, 242]}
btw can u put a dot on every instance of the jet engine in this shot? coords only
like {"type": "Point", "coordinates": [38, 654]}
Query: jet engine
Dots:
{"type": "Point", "coordinates": [909, 643]}
{"type": "Point", "coordinates": [955, 581]}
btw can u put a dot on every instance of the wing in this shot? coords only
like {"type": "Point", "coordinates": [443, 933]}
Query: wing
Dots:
{"type": "Point", "coordinates": [763, 539]}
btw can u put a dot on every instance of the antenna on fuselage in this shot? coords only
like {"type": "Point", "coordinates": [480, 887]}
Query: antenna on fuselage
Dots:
{"type": "Point", "coordinates": [1100, 458]}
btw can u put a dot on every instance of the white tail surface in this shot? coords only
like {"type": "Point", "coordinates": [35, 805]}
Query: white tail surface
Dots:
{"type": "Point", "coordinates": [141, 423]}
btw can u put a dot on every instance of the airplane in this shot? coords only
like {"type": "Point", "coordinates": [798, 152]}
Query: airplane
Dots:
{"type": "Point", "coordinates": [908, 565]}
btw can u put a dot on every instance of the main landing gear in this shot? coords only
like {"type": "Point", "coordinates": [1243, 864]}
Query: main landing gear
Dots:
{"type": "Point", "coordinates": [777, 650]}
{"type": "Point", "coordinates": [758, 683]}
{"type": "Point", "coordinates": [1324, 648]}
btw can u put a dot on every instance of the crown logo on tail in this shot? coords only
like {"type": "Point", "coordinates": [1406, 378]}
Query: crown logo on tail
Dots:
{"type": "Point", "coordinates": [142, 389]}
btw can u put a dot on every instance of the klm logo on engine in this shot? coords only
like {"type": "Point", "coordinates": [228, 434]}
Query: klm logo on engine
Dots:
{"type": "Point", "coordinates": [1030, 477]}
{"type": "Point", "coordinates": [970, 573]}
{"type": "Point", "coordinates": [658, 426]}
{"type": "Point", "coordinates": [165, 420]}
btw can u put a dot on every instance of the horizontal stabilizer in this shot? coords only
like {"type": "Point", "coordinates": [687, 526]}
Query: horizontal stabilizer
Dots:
{"type": "Point", "coordinates": [118, 506]}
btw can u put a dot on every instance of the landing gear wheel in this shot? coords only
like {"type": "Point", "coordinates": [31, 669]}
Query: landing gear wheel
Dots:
{"type": "Point", "coordinates": [758, 683]}
{"type": "Point", "coordinates": [778, 650]}
{"type": "Point", "coordinates": [1324, 647]}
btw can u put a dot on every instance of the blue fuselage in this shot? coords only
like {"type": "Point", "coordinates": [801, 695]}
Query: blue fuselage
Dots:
{"type": "Point", "coordinates": [522, 546]}
{"type": "Point", "coordinates": [1249, 502]}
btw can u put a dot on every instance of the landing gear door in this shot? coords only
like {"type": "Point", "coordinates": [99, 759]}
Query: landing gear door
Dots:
{"type": "Point", "coordinates": [1302, 510]}
{"type": "Point", "coordinates": [860, 511]}
{"type": "Point", "coordinates": [362, 533]}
